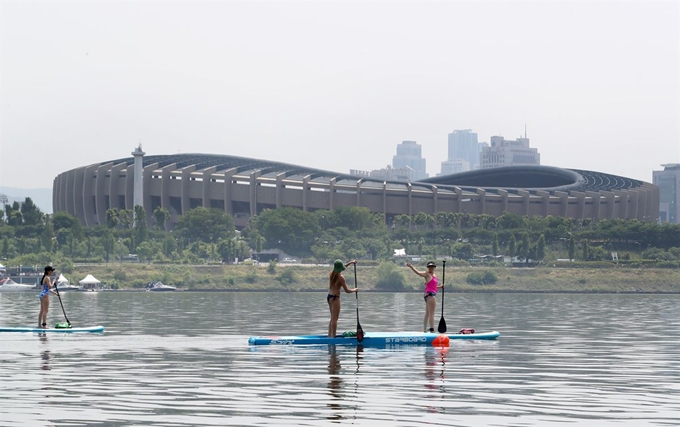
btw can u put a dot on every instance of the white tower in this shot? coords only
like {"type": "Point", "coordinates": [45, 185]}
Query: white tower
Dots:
{"type": "Point", "coordinates": [138, 197]}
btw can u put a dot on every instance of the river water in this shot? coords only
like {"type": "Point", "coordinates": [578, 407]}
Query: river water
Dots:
{"type": "Point", "coordinates": [182, 359]}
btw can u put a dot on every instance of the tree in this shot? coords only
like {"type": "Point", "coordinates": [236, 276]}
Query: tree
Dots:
{"type": "Point", "coordinates": [421, 242]}
{"type": "Point", "coordinates": [2, 216]}
{"type": "Point", "coordinates": [225, 248]}
{"type": "Point", "coordinates": [512, 246]}
{"type": "Point", "coordinates": [572, 249]}
{"type": "Point", "coordinates": [402, 221]}
{"type": "Point", "coordinates": [259, 243]}
{"type": "Point", "coordinates": [584, 244]}
{"type": "Point", "coordinates": [112, 218]}
{"type": "Point", "coordinates": [160, 216]}
{"type": "Point", "coordinates": [30, 212]}
{"type": "Point", "coordinates": [125, 218]}
{"type": "Point", "coordinates": [148, 250]}
{"type": "Point", "coordinates": [169, 245]}
{"type": "Point", "coordinates": [464, 251]}
{"type": "Point", "coordinates": [494, 245]}
{"type": "Point", "coordinates": [140, 224]}
{"type": "Point", "coordinates": [540, 248]}
{"type": "Point", "coordinates": [206, 225]}
{"type": "Point", "coordinates": [524, 247]}
{"type": "Point", "coordinates": [65, 221]}
{"type": "Point", "coordinates": [109, 243]}
{"type": "Point", "coordinates": [15, 218]}
{"type": "Point", "coordinates": [290, 229]}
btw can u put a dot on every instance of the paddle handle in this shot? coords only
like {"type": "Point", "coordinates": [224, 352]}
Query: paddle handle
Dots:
{"type": "Point", "coordinates": [443, 282]}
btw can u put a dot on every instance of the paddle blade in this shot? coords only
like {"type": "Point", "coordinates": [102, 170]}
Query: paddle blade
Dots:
{"type": "Point", "coordinates": [442, 326]}
{"type": "Point", "coordinates": [360, 333]}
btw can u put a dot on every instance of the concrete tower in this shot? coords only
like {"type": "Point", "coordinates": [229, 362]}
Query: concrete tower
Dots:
{"type": "Point", "coordinates": [139, 177]}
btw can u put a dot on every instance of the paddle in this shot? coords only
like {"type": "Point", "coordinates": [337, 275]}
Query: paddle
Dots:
{"type": "Point", "coordinates": [442, 323]}
{"type": "Point", "coordinates": [61, 325]}
{"type": "Point", "coordinates": [360, 332]}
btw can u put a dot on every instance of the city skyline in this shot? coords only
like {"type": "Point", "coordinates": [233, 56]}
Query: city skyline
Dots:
{"type": "Point", "coordinates": [328, 83]}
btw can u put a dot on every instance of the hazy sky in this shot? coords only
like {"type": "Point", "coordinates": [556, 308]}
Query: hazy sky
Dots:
{"type": "Point", "coordinates": [336, 84]}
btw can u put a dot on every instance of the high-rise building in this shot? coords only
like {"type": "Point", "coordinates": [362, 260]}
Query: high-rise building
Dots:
{"type": "Point", "coordinates": [409, 155]}
{"type": "Point", "coordinates": [504, 152]}
{"type": "Point", "coordinates": [668, 181]}
{"type": "Point", "coordinates": [455, 166]}
{"type": "Point", "coordinates": [463, 145]}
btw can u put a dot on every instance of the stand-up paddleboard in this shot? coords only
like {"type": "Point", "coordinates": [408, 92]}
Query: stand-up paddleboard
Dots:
{"type": "Point", "coordinates": [53, 330]}
{"type": "Point", "coordinates": [373, 339]}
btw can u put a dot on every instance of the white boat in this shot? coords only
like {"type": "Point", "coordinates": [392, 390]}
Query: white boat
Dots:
{"type": "Point", "coordinates": [9, 285]}
{"type": "Point", "coordinates": [159, 287]}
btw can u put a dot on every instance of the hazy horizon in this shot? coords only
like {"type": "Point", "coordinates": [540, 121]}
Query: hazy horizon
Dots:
{"type": "Point", "coordinates": [336, 85]}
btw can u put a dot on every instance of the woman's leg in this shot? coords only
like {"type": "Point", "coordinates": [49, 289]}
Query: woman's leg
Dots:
{"type": "Point", "coordinates": [431, 308]}
{"type": "Point", "coordinates": [427, 314]}
{"type": "Point", "coordinates": [44, 306]}
{"type": "Point", "coordinates": [40, 314]}
{"type": "Point", "coordinates": [334, 305]}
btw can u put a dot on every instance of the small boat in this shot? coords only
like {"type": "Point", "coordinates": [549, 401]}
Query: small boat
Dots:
{"type": "Point", "coordinates": [159, 287]}
{"type": "Point", "coordinates": [9, 285]}
{"type": "Point", "coordinates": [371, 339]}
{"type": "Point", "coordinates": [52, 330]}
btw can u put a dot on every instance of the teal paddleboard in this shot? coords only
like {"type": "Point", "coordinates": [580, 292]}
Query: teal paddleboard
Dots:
{"type": "Point", "coordinates": [53, 330]}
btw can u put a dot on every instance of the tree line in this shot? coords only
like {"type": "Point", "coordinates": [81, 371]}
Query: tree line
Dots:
{"type": "Point", "coordinates": [30, 237]}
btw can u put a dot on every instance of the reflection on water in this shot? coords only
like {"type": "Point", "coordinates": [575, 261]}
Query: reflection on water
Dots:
{"type": "Point", "coordinates": [182, 359]}
{"type": "Point", "coordinates": [435, 368]}
{"type": "Point", "coordinates": [334, 383]}
{"type": "Point", "coordinates": [45, 355]}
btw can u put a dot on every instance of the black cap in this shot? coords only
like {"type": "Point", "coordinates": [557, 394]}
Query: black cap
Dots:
{"type": "Point", "coordinates": [49, 268]}
{"type": "Point", "coordinates": [431, 264]}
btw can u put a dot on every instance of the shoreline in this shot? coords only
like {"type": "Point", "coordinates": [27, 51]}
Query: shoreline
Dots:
{"type": "Point", "coordinates": [248, 278]}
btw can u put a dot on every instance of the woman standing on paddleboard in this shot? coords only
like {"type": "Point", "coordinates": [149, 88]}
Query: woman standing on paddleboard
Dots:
{"type": "Point", "coordinates": [431, 286]}
{"type": "Point", "coordinates": [44, 296]}
{"type": "Point", "coordinates": [336, 283]}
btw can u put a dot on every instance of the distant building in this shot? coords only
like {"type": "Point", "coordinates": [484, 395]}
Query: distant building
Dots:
{"type": "Point", "coordinates": [387, 173]}
{"type": "Point", "coordinates": [668, 181]}
{"type": "Point", "coordinates": [463, 145]}
{"type": "Point", "coordinates": [244, 187]}
{"type": "Point", "coordinates": [502, 152]}
{"type": "Point", "coordinates": [409, 155]}
{"type": "Point", "coordinates": [455, 166]}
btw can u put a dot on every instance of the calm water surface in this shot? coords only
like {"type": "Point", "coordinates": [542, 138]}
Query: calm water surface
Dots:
{"type": "Point", "coordinates": [182, 359]}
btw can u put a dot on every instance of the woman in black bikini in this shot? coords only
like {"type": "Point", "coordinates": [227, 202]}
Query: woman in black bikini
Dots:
{"type": "Point", "coordinates": [336, 282]}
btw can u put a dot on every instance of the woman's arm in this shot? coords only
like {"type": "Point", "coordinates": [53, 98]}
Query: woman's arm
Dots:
{"type": "Point", "coordinates": [419, 273]}
{"type": "Point", "coordinates": [350, 263]}
{"type": "Point", "coordinates": [344, 285]}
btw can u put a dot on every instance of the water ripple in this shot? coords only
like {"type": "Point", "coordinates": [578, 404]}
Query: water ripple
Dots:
{"type": "Point", "coordinates": [183, 360]}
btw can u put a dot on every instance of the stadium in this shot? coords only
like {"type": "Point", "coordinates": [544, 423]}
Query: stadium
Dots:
{"type": "Point", "coordinates": [245, 186]}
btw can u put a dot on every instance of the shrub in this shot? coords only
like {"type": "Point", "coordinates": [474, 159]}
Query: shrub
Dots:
{"type": "Point", "coordinates": [390, 277]}
{"type": "Point", "coordinates": [251, 276]}
{"type": "Point", "coordinates": [231, 281]}
{"type": "Point", "coordinates": [120, 275]}
{"type": "Point", "coordinates": [582, 281]}
{"type": "Point", "coordinates": [482, 278]}
{"type": "Point", "coordinates": [287, 276]}
{"type": "Point", "coordinates": [271, 268]}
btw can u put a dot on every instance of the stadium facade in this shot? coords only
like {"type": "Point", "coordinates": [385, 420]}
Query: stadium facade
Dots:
{"type": "Point", "coordinates": [244, 187]}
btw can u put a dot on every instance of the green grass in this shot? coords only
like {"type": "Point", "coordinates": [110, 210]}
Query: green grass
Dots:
{"type": "Point", "coordinates": [256, 278]}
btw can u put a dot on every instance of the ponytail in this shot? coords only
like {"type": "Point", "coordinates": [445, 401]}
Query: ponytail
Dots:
{"type": "Point", "coordinates": [42, 280]}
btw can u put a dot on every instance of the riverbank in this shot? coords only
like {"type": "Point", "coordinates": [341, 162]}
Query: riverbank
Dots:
{"type": "Point", "coordinates": [315, 278]}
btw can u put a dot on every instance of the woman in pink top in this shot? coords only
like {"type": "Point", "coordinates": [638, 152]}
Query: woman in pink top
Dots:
{"type": "Point", "coordinates": [431, 286]}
